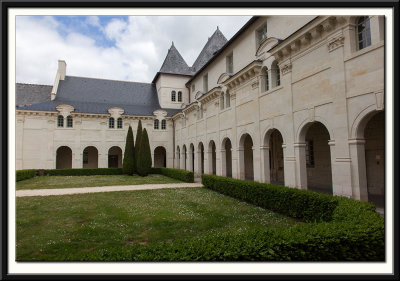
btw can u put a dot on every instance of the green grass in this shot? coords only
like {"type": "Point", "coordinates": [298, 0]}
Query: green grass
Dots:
{"type": "Point", "coordinates": [68, 227]}
{"type": "Point", "coordinates": [91, 181]}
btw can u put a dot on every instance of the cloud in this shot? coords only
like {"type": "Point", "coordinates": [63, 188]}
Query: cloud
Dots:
{"type": "Point", "coordinates": [135, 50]}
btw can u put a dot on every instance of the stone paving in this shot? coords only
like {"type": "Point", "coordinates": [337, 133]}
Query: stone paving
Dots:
{"type": "Point", "coordinates": [80, 190]}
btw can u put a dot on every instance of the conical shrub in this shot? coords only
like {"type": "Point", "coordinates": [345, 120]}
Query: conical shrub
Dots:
{"type": "Point", "coordinates": [144, 157]}
{"type": "Point", "coordinates": [137, 147]}
{"type": "Point", "coordinates": [129, 155]}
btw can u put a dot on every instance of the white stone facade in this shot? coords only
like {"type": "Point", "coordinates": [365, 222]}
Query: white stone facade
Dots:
{"type": "Point", "coordinates": [317, 122]}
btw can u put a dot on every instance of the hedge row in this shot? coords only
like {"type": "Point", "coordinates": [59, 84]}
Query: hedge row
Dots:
{"type": "Point", "coordinates": [301, 204]}
{"type": "Point", "coordinates": [83, 172]}
{"type": "Point", "coordinates": [25, 174]}
{"type": "Point", "coordinates": [178, 174]}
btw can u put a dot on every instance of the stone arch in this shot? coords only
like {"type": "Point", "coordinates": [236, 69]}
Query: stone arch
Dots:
{"type": "Point", "coordinates": [200, 157]}
{"type": "Point", "coordinates": [302, 128]}
{"type": "Point", "coordinates": [359, 123]}
{"type": "Point", "coordinates": [90, 157]}
{"type": "Point", "coordinates": [160, 157]}
{"type": "Point", "coordinates": [246, 165]}
{"type": "Point", "coordinates": [212, 157]}
{"type": "Point", "coordinates": [115, 157]}
{"type": "Point", "coordinates": [191, 157]}
{"type": "Point", "coordinates": [315, 159]}
{"type": "Point", "coordinates": [226, 149]}
{"type": "Point", "coordinates": [274, 157]}
{"type": "Point", "coordinates": [64, 157]}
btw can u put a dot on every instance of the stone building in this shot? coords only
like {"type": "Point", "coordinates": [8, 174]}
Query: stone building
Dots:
{"type": "Point", "coordinates": [290, 100]}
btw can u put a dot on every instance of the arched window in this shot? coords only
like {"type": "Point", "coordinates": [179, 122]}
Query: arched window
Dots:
{"type": "Point", "coordinates": [266, 79]}
{"type": "Point", "coordinates": [363, 33]}
{"type": "Point", "coordinates": [156, 124]}
{"type": "Point", "coordinates": [69, 121]}
{"type": "Point", "coordinates": [173, 96]}
{"type": "Point", "coordinates": [228, 99]}
{"type": "Point", "coordinates": [179, 96]}
{"type": "Point", "coordinates": [276, 74]}
{"type": "Point", "coordinates": [222, 101]}
{"type": "Point", "coordinates": [119, 123]}
{"type": "Point", "coordinates": [163, 124]}
{"type": "Point", "coordinates": [60, 121]}
{"type": "Point", "coordinates": [111, 123]}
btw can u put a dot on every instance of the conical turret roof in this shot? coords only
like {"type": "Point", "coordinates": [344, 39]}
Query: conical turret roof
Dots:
{"type": "Point", "coordinates": [174, 63]}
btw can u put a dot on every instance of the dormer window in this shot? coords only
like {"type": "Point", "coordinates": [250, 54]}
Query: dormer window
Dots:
{"type": "Point", "coordinates": [119, 123]}
{"type": "Point", "coordinates": [179, 96]}
{"type": "Point", "coordinates": [261, 34]}
{"type": "Point", "coordinates": [69, 122]}
{"type": "Point", "coordinates": [173, 96]}
{"type": "Point", "coordinates": [60, 121]}
{"type": "Point", "coordinates": [111, 123]}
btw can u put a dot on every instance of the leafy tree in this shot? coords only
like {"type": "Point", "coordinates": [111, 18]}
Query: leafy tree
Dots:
{"type": "Point", "coordinates": [144, 157]}
{"type": "Point", "coordinates": [129, 155]}
{"type": "Point", "coordinates": [137, 147]}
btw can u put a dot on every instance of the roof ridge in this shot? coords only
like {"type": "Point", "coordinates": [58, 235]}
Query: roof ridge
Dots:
{"type": "Point", "coordinates": [126, 81]}
{"type": "Point", "coordinates": [33, 84]}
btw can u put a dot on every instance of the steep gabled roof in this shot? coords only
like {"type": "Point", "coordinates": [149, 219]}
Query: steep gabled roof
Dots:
{"type": "Point", "coordinates": [174, 63]}
{"type": "Point", "coordinates": [27, 94]}
{"type": "Point", "coordinates": [214, 43]}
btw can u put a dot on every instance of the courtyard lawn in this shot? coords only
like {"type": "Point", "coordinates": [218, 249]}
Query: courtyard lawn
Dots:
{"type": "Point", "coordinates": [70, 227]}
{"type": "Point", "coordinates": [91, 181]}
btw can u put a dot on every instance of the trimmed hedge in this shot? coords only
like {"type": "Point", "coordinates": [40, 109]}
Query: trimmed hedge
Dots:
{"type": "Point", "coordinates": [178, 174]}
{"type": "Point", "coordinates": [83, 172]}
{"type": "Point", "coordinates": [25, 174]}
{"type": "Point", "coordinates": [301, 204]}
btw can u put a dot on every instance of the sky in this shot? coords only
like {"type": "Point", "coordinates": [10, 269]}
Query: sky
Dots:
{"type": "Point", "coordinates": [129, 48]}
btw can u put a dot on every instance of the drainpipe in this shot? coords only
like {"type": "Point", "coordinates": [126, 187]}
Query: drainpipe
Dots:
{"type": "Point", "coordinates": [173, 142]}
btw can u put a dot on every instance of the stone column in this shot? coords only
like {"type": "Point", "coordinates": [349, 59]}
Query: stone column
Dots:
{"type": "Point", "coordinates": [358, 169]}
{"type": "Point", "coordinates": [241, 170]}
{"type": "Point", "coordinates": [289, 168]}
{"type": "Point", "coordinates": [265, 167]}
{"type": "Point", "coordinates": [301, 169]}
{"type": "Point", "coordinates": [256, 163]}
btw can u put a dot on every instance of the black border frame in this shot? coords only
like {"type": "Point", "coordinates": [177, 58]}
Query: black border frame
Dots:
{"type": "Point", "coordinates": [7, 4]}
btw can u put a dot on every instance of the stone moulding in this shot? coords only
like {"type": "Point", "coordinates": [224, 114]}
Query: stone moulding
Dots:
{"type": "Point", "coordinates": [335, 42]}
{"type": "Point", "coordinates": [286, 68]}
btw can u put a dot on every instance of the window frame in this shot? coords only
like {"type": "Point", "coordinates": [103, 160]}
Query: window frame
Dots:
{"type": "Point", "coordinates": [111, 123]}
{"type": "Point", "coordinates": [229, 63]}
{"type": "Point", "coordinates": [156, 124]}
{"type": "Point", "coordinates": [365, 33]}
{"type": "Point", "coordinates": [60, 119]}
{"type": "Point", "coordinates": [163, 124]}
{"type": "Point", "coordinates": [261, 34]}
{"type": "Point", "coordinates": [173, 96]}
{"type": "Point", "coordinates": [119, 123]}
{"type": "Point", "coordinates": [205, 82]}
{"type": "Point", "coordinates": [180, 96]}
{"type": "Point", "coordinates": [70, 122]}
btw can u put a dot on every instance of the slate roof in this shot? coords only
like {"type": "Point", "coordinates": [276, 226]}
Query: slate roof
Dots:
{"type": "Point", "coordinates": [174, 63]}
{"type": "Point", "coordinates": [90, 95]}
{"type": "Point", "coordinates": [26, 94]}
{"type": "Point", "coordinates": [214, 43]}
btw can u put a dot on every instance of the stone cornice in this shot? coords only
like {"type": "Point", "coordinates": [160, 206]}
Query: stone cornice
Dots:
{"type": "Point", "coordinates": [211, 95]}
{"type": "Point", "coordinates": [190, 108]}
{"type": "Point", "coordinates": [244, 75]}
{"type": "Point", "coordinates": [304, 38]}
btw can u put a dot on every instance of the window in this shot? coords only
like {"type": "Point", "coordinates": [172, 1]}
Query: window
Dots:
{"type": "Point", "coordinates": [310, 154]}
{"type": "Point", "coordinates": [69, 121]}
{"type": "Point", "coordinates": [221, 101]}
{"type": "Point", "coordinates": [205, 83]}
{"type": "Point", "coordinates": [86, 156]}
{"type": "Point", "coordinates": [363, 33]}
{"type": "Point", "coordinates": [111, 123]}
{"type": "Point", "coordinates": [179, 96]}
{"type": "Point", "coordinates": [227, 99]}
{"type": "Point", "coordinates": [229, 63]}
{"type": "Point", "coordinates": [60, 121]}
{"type": "Point", "coordinates": [261, 34]}
{"type": "Point", "coordinates": [173, 96]}
{"type": "Point", "coordinates": [119, 123]}
{"type": "Point", "coordinates": [163, 124]}
{"type": "Point", "coordinates": [278, 76]}
{"type": "Point", "coordinates": [275, 75]}
{"type": "Point", "coordinates": [156, 122]}
{"type": "Point", "coordinates": [266, 81]}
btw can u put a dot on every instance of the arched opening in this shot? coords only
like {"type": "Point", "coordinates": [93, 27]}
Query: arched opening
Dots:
{"type": "Point", "coordinates": [191, 157]}
{"type": "Point", "coordinates": [212, 150]}
{"type": "Point", "coordinates": [184, 157]}
{"type": "Point", "coordinates": [227, 157]}
{"type": "Point", "coordinates": [90, 157]}
{"type": "Point", "coordinates": [160, 157]}
{"type": "Point", "coordinates": [200, 157]}
{"type": "Point", "coordinates": [178, 157]}
{"type": "Point", "coordinates": [276, 170]}
{"type": "Point", "coordinates": [115, 157]}
{"type": "Point", "coordinates": [64, 158]}
{"type": "Point", "coordinates": [374, 134]}
{"type": "Point", "coordinates": [248, 158]}
{"type": "Point", "coordinates": [318, 158]}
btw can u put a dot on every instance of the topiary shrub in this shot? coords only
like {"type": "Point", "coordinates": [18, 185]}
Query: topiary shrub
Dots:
{"type": "Point", "coordinates": [144, 157]}
{"type": "Point", "coordinates": [129, 155]}
{"type": "Point", "coordinates": [137, 147]}
{"type": "Point", "coordinates": [25, 174]}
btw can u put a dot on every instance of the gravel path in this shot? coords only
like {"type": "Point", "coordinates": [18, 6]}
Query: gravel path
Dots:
{"type": "Point", "coordinates": [80, 190]}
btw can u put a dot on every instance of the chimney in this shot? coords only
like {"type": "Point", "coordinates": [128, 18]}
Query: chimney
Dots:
{"type": "Point", "coordinates": [62, 69]}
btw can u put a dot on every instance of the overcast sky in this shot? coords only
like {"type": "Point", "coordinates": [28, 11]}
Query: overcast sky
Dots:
{"type": "Point", "coordinates": [110, 47]}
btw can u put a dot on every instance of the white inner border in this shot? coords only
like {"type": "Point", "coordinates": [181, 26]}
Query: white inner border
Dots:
{"type": "Point", "coordinates": [201, 267]}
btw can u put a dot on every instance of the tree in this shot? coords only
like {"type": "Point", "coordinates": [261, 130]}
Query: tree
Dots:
{"type": "Point", "coordinates": [129, 155]}
{"type": "Point", "coordinates": [144, 157]}
{"type": "Point", "coordinates": [137, 147]}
